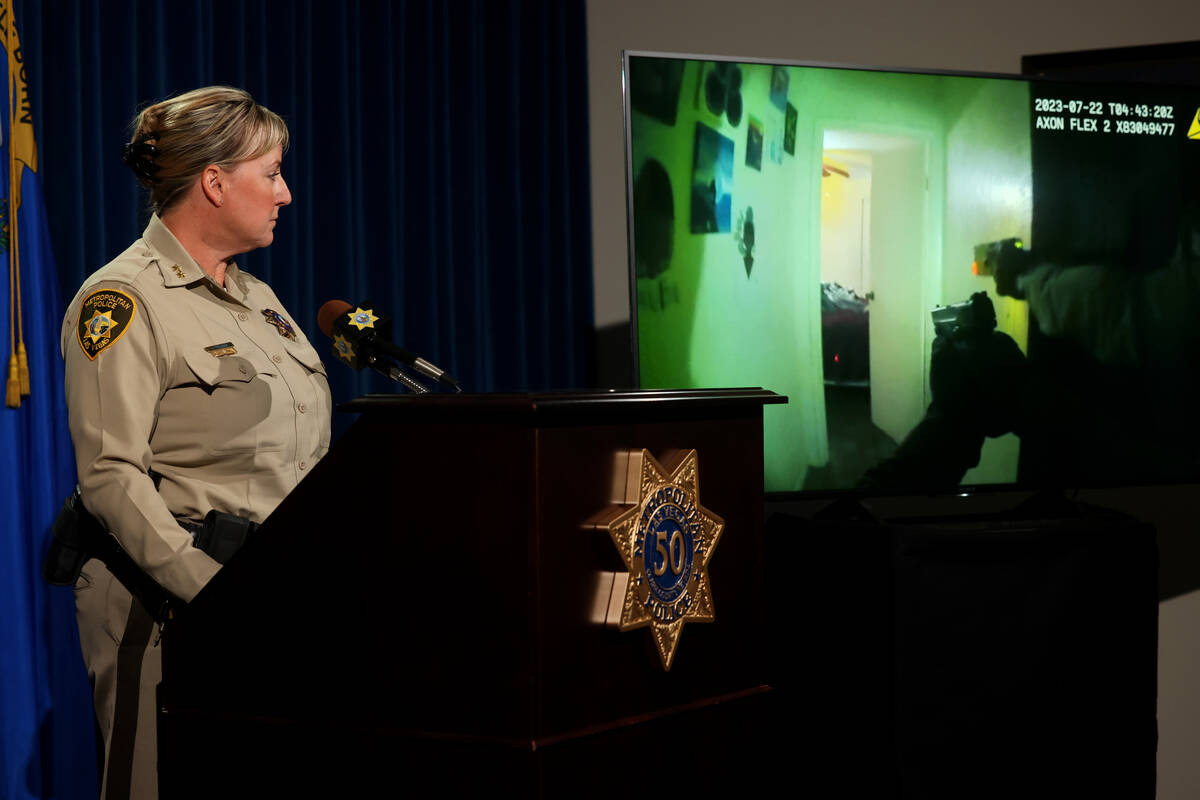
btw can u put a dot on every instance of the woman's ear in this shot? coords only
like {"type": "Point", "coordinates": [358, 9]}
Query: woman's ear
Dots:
{"type": "Point", "coordinates": [212, 183]}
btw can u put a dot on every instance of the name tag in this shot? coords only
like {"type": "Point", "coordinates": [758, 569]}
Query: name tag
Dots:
{"type": "Point", "coordinates": [223, 349]}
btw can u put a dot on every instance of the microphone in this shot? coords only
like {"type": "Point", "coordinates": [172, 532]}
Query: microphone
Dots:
{"type": "Point", "coordinates": [362, 335]}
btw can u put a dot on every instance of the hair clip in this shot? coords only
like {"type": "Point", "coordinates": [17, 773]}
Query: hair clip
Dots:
{"type": "Point", "coordinates": [139, 156]}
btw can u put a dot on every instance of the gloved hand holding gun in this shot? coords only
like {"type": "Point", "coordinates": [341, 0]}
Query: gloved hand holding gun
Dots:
{"type": "Point", "coordinates": [977, 373]}
{"type": "Point", "coordinates": [1006, 260]}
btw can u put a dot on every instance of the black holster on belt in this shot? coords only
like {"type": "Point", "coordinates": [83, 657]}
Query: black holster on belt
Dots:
{"type": "Point", "coordinates": [78, 536]}
{"type": "Point", "coordinates": [221, 535]}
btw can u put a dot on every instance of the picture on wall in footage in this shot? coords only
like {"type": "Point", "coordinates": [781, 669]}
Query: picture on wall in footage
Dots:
{"type": "Point", "coordinates": [754, 143]}
{"type": "Point", "coordinates": [774, 135]}
{"type": "Point", "coordinates": [789, 130]}
{"type": "Point", "coordinates": [654, 87]}
{"type": "Point", "coordinates": [712, 181]}
{"type": "Point", "coordinates": [722, 90]}
{"type": "Point", "coordinates": [779, 87]}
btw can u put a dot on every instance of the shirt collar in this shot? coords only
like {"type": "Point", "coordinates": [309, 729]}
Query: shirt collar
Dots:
{"type": "Point", "coordinates": [235, 285]}
{"type": "Point", "coordinates": [178, 268]}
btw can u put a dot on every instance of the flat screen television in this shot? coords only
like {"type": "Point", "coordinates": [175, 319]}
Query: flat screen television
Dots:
{"type": "Point", "coordinates": [958, 280]}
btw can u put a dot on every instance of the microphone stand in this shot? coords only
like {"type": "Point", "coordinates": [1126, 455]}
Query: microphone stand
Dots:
{"type": "Point", "coordinates": [402, 356]}
{"type": "Point", "coordinates": [397, 374]}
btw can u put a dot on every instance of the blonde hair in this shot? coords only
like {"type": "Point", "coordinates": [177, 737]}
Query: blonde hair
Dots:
{"type": "Point", "coordinates": [174, 140]}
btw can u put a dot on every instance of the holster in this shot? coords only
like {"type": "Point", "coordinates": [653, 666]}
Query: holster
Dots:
{"type": "Point", "coordinates": [73, 539]}
{"type": "Point", "coordinates": [78, 536]}
{"type": "Point", "coordinates": [221, 535]}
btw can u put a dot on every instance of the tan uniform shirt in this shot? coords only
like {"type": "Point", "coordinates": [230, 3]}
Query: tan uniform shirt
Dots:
{"type": "Point", "coordinates": [165, 370]}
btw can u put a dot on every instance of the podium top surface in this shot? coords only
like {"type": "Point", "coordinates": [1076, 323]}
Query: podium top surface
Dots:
{"type": "Point", "coordinates": [559, 403]}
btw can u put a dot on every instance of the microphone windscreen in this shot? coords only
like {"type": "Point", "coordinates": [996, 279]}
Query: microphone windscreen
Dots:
{"type": "Point", "coordinates": [329, 312]}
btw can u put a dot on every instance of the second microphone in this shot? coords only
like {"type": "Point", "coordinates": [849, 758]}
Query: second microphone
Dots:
{"type": "Point", "coordinates": [361, 338]}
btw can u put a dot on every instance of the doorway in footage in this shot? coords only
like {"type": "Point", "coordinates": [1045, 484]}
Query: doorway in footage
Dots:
{"type": "Point", "coordinates": [872, 257]}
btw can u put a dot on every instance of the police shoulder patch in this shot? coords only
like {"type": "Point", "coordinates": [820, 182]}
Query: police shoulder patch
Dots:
{"type": "Point", "coordinates": [103, 319]}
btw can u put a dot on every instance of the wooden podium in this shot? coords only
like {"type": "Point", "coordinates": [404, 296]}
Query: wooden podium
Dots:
{"type": "Point", "coordinates": [425, 612]}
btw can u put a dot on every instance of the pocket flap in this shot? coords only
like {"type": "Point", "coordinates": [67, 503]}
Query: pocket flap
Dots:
{"type": "Point", "coordinates": [213, 371]}
{"type": "Point", "coordinates": [304, 352]}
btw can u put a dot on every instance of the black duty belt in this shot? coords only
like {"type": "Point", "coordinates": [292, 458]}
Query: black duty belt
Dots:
{"type": "Point", "coordinates": [78, 536]}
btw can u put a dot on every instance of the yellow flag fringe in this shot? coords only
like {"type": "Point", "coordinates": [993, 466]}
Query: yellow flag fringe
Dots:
{"type": "Point", "coordinates": [22, 369]}
{"type": "Point", "coordinates": [18, 362]}
{"type": "Point", "coordinates": [12, 393]}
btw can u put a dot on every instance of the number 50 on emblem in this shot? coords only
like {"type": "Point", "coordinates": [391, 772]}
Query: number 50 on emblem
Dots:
{"type": "Point", "coordinates": [666, 538]}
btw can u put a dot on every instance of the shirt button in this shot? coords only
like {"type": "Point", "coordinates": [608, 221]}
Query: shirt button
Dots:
{"type": "Point", "coordinates": [303, 465]}
{"type": "Point", "coordinates": [301, 407]}
{"type": "Point", "coordinates": [278, 359]}
{"type": "Point", "coordinates": [243, 316]}
{"type": "Point", "coordinates": [242, 368]}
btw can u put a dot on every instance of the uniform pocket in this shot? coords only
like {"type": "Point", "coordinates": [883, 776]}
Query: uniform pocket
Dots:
{"type": "Point", "coordinates": [99, 607]}
{"type": "Point", "coordinates": [230, 403]}
{"type": "Point", "coordinates": [212, 371]}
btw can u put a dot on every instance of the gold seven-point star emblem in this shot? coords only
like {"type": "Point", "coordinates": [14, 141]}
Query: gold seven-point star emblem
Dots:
{"type": "Point", "coordinates": [343, 348]}
{"type": "Point", "coordinates": [100, 326]}
{"type": "Point", "coordinates": [666, 540]}
{"type": "Point", "coordinates": [363, 318]}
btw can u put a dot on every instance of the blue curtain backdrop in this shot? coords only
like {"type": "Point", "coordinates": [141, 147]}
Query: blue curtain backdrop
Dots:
{"type": "Point", "coordinates": [439, 167]}
{"type": "Point", "coordinates": [46, 723]}
{"type": "Point", "coordinates": [439, 163]}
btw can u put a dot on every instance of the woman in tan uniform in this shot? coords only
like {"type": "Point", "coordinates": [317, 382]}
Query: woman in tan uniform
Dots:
{"type": "Point", "coordinates": [182, 368]}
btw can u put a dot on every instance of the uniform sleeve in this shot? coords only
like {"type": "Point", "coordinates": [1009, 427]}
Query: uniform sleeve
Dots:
{"type": "Point", "coordinates": [117, 368]}
{"type": "Point", "coordinates": [1122, 318]}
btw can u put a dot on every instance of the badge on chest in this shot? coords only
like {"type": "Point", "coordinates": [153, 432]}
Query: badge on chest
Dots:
{"type": "Point", "coordinates": [282, 325]}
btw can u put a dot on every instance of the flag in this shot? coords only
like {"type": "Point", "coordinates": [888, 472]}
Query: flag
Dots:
{"type": "Point", "coordinates": [47, 745]}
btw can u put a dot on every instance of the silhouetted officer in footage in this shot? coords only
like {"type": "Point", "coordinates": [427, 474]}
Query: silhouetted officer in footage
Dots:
{"type": "Point", "coordinates": [1109, 393]}
{"type": "Point", "coordinates": [977, 377]}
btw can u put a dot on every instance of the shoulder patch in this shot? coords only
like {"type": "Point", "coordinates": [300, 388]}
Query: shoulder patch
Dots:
{"type": "Point", "coordinates": [103, 319]}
